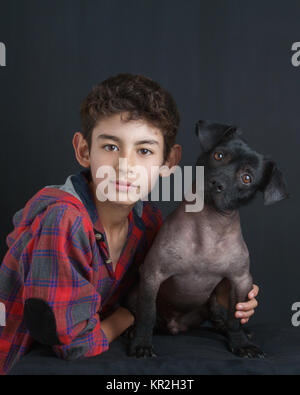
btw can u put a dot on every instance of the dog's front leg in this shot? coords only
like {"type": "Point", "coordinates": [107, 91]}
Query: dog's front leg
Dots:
{"type": "Point", "coordinates": [239, 343]}
{"type": "Point", "coordinates": [141, 344]}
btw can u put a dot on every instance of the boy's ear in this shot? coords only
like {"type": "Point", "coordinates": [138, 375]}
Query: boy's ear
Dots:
{"type": "Point", "coordinates": [274, 186]}
{"type": "Point", "coordinates": [211, 133]}
{"type": "Point", "coordinates": [174, 157]}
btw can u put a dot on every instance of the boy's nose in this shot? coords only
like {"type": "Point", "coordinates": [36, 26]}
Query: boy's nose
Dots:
{"type": "Point", "coordinates": [125, 167]}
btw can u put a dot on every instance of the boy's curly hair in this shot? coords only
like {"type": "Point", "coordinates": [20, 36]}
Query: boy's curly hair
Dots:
{"type": "Point", "coordinates": [140, 97]}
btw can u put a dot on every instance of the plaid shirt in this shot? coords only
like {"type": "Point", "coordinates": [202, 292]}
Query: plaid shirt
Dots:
{"type": "Point", "coordinates": [58, 253]}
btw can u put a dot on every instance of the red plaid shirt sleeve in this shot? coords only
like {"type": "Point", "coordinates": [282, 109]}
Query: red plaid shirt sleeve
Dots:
{"type": "Point", "coordinates": [61, 274]}
{"type": "Point", "coordinates": [51, 261]}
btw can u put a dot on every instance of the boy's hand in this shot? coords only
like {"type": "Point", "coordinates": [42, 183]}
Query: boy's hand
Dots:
{"type": "Point", "coordinates": [245, 310]}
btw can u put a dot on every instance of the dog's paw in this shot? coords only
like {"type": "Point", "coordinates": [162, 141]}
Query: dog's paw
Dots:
{"type": "Point", "coordinates": [248, 333]}
{"type": "Point", "coordinates": [247, 351]}
{"type": "Point", "coordinates": [140, 349]}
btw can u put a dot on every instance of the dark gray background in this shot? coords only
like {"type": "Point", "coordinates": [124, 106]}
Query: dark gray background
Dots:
{"type": "Point", "coordinates": [223, 60]}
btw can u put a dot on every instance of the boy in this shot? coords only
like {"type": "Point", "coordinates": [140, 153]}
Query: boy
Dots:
{"type": "Point", "coordinates": [73, 256]}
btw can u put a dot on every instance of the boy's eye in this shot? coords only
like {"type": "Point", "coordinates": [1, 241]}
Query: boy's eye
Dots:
{"type": "Point", "coordinates": [145, 151]}
{"type": "Point", "coordinates": [110, 147]}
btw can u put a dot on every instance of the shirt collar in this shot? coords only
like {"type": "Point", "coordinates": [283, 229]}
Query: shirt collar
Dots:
{"type": "Point", "coordinates": [80, 183]}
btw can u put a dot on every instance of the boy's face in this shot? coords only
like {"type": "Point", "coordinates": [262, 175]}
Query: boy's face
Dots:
{"type": "Point", "coordinates": [136, 143]}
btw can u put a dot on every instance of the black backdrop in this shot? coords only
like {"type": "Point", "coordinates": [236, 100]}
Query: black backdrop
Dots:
{"type": "Point", "coordinates": [222, 60]}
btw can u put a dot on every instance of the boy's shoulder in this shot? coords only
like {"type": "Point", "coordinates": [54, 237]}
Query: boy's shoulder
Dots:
{"type": "Point", "coordinates": [150, 207]}
{"type": "Point", "coordinates": [56, 196]}
{"type": "Point", "coordinates": [152, 215]}
{"type": "Point", "coordinates": [49, 208]}
{"type": "Point", "coordinates": [45, 202]}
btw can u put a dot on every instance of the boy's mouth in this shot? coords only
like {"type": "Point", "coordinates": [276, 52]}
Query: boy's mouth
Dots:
{"type": "Point", "coordinates": [124, 185]}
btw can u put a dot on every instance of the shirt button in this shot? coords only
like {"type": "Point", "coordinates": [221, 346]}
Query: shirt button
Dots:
{"type": "Point", "coordinates": [98, 236]}
{"type": "Point", "coordinates": [108, 261]}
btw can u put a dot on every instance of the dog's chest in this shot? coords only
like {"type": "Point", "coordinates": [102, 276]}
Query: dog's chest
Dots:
{"type": "Point", "coordinates": [218, 253]}
{"type": "Point", "coordinates": [205, 263]}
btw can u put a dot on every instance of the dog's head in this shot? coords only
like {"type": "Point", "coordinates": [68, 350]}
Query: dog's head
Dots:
{"type": "Point", "coordinates": [233, 172]}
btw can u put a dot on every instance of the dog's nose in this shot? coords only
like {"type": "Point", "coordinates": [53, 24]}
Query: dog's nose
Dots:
{"type": "Point", "coordinates": [217, 185]}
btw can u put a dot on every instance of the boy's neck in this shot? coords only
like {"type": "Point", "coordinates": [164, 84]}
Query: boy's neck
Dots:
{"type": "Point", "coordinates": [113, 216]}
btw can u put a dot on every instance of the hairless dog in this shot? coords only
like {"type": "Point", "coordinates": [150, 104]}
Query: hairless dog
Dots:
{"type": "Point", "coordinates": [194, 252]}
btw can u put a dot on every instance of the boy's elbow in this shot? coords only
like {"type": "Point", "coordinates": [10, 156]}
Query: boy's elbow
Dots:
{"type": "Point", "coordinates": [40, 321]}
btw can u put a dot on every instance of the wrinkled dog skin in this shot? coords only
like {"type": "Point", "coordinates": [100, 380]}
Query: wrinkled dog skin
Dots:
{"type": "Point", "coordinates": [181, 271]}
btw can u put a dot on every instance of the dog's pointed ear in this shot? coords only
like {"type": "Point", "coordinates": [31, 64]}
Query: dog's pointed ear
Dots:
{"type": "Point", "coordinates": [274, 187]}
{"type": "Point", "coordinates": [211, 133]}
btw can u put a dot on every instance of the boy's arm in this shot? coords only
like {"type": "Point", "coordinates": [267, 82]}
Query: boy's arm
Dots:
{"type": "Point", "coordinates": [117, 323]}
{"type": "Point", "coordinates": [61, 275]}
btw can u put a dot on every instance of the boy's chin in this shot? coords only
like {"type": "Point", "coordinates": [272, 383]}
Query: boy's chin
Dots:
{"type": "Point", "coordinates": [124, 199]}
{"type": "Point", "coordinates": [126, 202]}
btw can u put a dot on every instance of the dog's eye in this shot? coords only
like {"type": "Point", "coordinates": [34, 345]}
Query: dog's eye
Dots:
{"type": "Point", "coordinates": [246, 178]}
{"type": "Point", "coordinates": [218, 155]}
